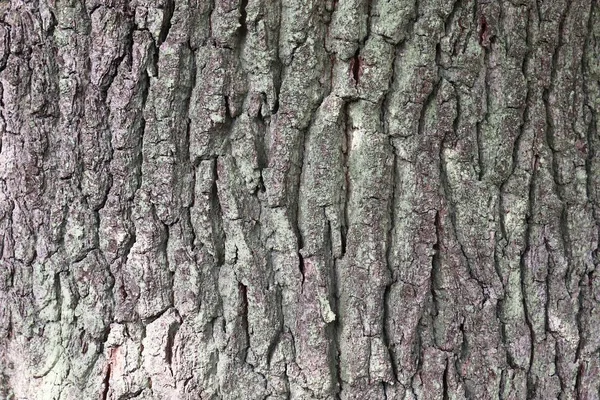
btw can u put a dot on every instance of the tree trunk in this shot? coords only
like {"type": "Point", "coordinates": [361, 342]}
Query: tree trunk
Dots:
{"type": "Point", "coordinates": [300, 199]}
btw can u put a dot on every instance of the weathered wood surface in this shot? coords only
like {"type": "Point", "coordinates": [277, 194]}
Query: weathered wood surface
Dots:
{"type": "Point", "coordinates": [299, 199]}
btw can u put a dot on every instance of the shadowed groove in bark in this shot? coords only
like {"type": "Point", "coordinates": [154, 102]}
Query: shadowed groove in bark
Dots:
{"type": "Point", "coordinates": [168, 9]}
{"type": "Point", "coordinates": [393, 279]}
{"type": "Point", "coordinates": [445, 382]}
{"type": "Point", "coordinates": [435, 265]}
{"type": "Point", "coordinates": [243, 293]}
{"type": "Point", "coordinates": [106, 384]}
{"type": "Point", "coordinates": [531, 389]}
{"type": "Point", "coordinates": [243, 15]}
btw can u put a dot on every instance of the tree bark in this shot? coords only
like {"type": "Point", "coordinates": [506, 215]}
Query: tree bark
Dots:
{"type": "Point", "coordinates": [300, 199]}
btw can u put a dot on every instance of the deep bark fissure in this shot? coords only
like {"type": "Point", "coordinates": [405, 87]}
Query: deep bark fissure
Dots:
{"type": "Point", "coordinates": [522, 272]}
{"type": "Point", "coordinates": [106, 383]}
{"type": "Point", "coordinates": [168, 9]}
{"type": "Point", "coordinates": [243, 304]}
{"type": "Point", "coordinates": [435, 266]}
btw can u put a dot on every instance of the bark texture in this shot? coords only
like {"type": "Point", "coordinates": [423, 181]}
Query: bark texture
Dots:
{"type": "Point", "coordinates": [299, 199]}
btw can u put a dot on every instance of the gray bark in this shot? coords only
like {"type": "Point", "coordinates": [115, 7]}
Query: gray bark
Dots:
{"type": "Point", "coordinates": [300, 199]}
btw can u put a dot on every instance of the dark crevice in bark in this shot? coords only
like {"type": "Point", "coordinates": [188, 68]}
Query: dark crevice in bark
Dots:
{"type": "Point", "coordinates": [356, 67]}
{"type": "Point", "coordinates": [578, 378]}
{"type": "Point", "coordinates": [385, 104]}
{"type": "Point", "coordinates": [462, 359]}
{"type": "Point", "coordinates": [583, 285]}
{"type": "Point", "coordinates": [10, 328]}
{"type": "Point", "coordinates": [139, 149]}
{"type": "Point", "coordinates": [558, 361]}
{"type": "Point", "coordinates": [243, 312]}
{"type": "Point", "coordinates": [277, 339]}
{"type": "Point", "coordinates": [185, 115]}
{"type": "Point", "coordinates": [58, 293]}
{"type": "Point", "coordinates": [484, 120]}
{"type": "Point", "coordinates": [301, 265]}
{"type": "Point", "coordinates": [346, 143]}
{"type": "Point", "coordinates": [276, 104]}
{"type": "Point", "coordinates": [170, 269]}
{"type": "Point", "coordinates": [62, 228]}
{"type": "Point", "coordinates": [431, 96]}
{"type": "Point", "coordinates": [523, 272]}
{"type": "Point", "coordinates": [500, 303]}
{"type": "Point", "coordinates": [228, 117]}
{"type": "Point", "coordinates": [243, 29]}
{"type": "Point", "coordinates": [123, 291]}
{"type": "Point", "coordinates": [343, 235]}
{"type": "Point", "coordinates": [103, 338]}
{"type": "Point", "coordinates": [369, 17]}
{"type": "Point", "coordinates": [217, 218]}
{"type": "Point", "coordinates": [148, 320]}
{"type": "Point", "coordinates": [170, 342]}
{"type": "Point", "coordinates": [435, 267]}
{"type": "Point", "coordinates": [169, 8]}
{"type": "Point", "coordinates": [293, 206]}
{"type": "Point", "coordinates": [538, 11]}
{"type": "Point", "coordinates": [152, 69]}
{"type": "Point", "coordinates": [468, 262]}
{"type": "Point", "coordinates": [503, 379]}
{"type": "Point", "coordinates": [262, 152]}
{"type": "Point", "coordinates": [551, 265]}
{"type": "Point", "coordinates": [276, 69]}
{"type": "Point", "coordinates": [209, 14]}
{"type": "Point", "coordinates": [106, 383]}
{"type": "Point", "coordinates": [386, 337]}
{"type": "Point", "coordinates": [187, 218]}
{"type": "Point", "coordinates": [445, 391]}
{"type": "Point", "coordinates": [483, 30]}
{"type": "Point", "coordinates": [417, 352]}
{"type": "Point", "coordinates": [333, 330]}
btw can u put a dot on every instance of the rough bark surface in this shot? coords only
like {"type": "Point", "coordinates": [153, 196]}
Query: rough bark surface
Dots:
{"type": "Point", "coordinates": [299, 199]}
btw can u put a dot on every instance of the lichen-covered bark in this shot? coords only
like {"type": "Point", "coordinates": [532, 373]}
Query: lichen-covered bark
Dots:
{"type": "Point", "coordinates": [300, 199]}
